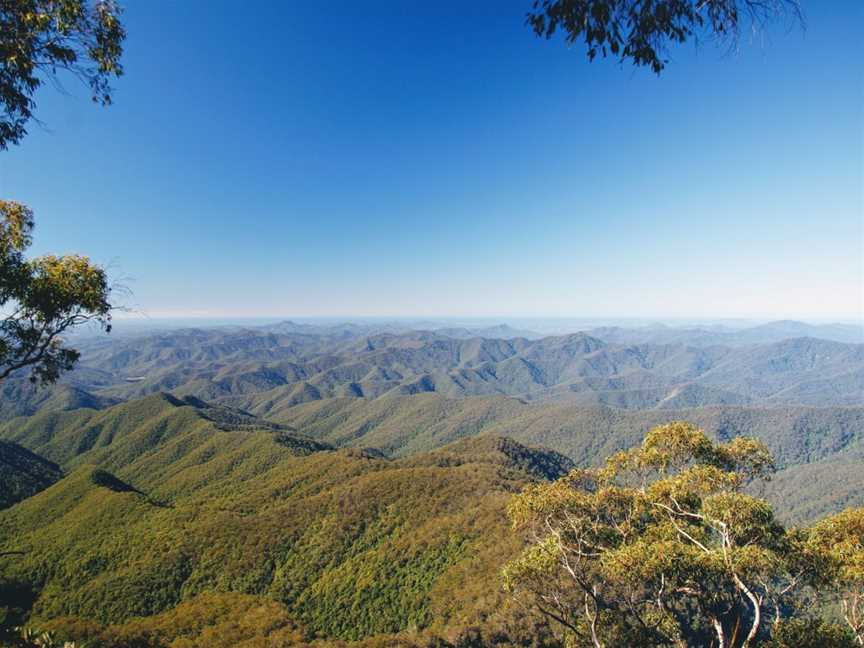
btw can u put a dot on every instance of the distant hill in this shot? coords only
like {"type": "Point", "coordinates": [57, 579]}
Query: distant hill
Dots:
{"type": "Point", "coordinates": [785, 329]}
{"type": "Point", "coordinates": [577, 368]}
{"type": "Point", "coordinates": [284, 365]}
{"type": "Point", "coordinates": [724, 336]}
{"type": "Point", "coordinates": [338, 330]}
{"type": "Point", "coordinates": [500, 332]}
{"type": "Point", "coordinates": [365, 329]}
{"type": "Point", "coordinates": [22, 398]}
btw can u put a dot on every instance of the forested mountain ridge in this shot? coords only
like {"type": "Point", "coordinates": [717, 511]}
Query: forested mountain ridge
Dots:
{"type": "Point", "coordinates": [804, 440]}
{"type": "Point", "coordinates": [172, 507]}
{"type": "Point", "coordinates": [404, 426]}
{"type": "Point", "coordinates": [161, 505]}
{"type": "Point", "coordinates": [262, 369]}
{"type": "Point", "coordinates": [135, 432]}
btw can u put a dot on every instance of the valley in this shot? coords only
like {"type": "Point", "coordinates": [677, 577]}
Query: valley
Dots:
{"type": "Point", "coordinates": [354, 484]}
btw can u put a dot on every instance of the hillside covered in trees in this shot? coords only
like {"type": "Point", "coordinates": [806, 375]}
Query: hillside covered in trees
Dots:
{"type": "Point", "coordinates": [311, 485]}
{"type": "Point", "coordinates": [269, 369]}
{"type": "Point", "coordinates": [159, 505]}
{"type": "Point", "coordinates": [164, 520]}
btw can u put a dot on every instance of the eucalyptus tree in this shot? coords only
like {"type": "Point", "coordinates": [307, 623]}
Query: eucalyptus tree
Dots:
{"type": "Point", "coordinates": [641, 32]}
{"type": "Point", "coordinates": [42, 39]}
{"type": "Point", "coordinates": [42, 298]}
{"type": "Point", "coordinates": [661, 546]}
{"type": "Point", "coordinates": [838, 543]}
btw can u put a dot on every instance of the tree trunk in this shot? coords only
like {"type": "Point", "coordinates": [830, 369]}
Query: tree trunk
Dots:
{"type": "Point", "coordinates": [718, 628]}
{"type": "Point", "coordinates": [757, 611]}
{"type": "Point", "coordinates": [593, 619]}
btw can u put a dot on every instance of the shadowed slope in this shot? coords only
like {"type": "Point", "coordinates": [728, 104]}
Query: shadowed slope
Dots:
{"type": "Point", "coordinates": [23, 473]}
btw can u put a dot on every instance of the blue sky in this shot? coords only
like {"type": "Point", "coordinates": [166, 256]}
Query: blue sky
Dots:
{"type": "Point", "coordinates": [436, 159]}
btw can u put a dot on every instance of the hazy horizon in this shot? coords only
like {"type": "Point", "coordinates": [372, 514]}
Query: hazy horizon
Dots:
{"type": "Point", "coordinates": [536, 323]}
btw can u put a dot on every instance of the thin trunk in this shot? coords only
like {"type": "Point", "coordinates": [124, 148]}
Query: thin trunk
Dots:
{"type": "Point", "coordinates": [593, 619]}
{"type": "Point", "coordinates": [718, 628]}
{"type": "Point", "coordinates": [852, 620]}
{"type": "Point", "coordinates": [757, 611]}
{"type": "Point", "coordinates": [859, 624]}
{"type": "Point", "coordinates": [734, 638]}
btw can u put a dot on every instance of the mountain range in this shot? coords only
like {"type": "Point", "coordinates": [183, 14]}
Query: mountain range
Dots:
{"type": "Point", "coordinates": [727, 336]}
{"type": "Point", "coordinates": [345, 483]}
{"type": "Point", "coordinates": [266, 369]}
{"type": "Point", "coordinates": [405, 426]}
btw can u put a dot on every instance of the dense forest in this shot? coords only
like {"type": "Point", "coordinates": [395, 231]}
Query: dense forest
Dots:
{"type": "Point", "coordinates": [170, 513]}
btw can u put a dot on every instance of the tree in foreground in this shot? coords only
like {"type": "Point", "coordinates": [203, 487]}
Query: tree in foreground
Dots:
{"type": "Point", "coordinates": [42, 298]}
{"type": "Point", "coordinates": [662, 547]}
{"type": "Point", "coordinates": [838, 543]}
{"type": "Point", "coordinates": [39, 38]}
{"type": "Point", "coordinates": [641, 31]}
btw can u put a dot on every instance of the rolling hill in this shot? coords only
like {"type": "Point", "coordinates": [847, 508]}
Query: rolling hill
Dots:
{"type": "Point", "coordinates": [123, 436]}
{"type": "Point", "coordinates": [161, 504]}
{"type": "Point", "coordinates": [402, 426]}
{"type": "Point", "coordinates": [342, 483]}
{"type": "Point", "coordinates": [724, 336]}
{"type": "Point", "coordinates": [272, 370]}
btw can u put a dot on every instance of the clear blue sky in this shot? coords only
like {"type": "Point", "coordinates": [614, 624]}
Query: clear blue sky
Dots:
{"type": "Point", "coordinates": [434, 159]}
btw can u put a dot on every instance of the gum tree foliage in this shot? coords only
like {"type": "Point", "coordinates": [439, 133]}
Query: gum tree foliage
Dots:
{"type": "Point", "coordinates": [641, 31]}
{"type": "Point", "coordinates": [662, 547]}
{"type": "Point", "coordinates": [838, 544]}
{"type": "Point", "coordinates": [41, 298]}
{"type": "Point", "coordinates": [39, 39]}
